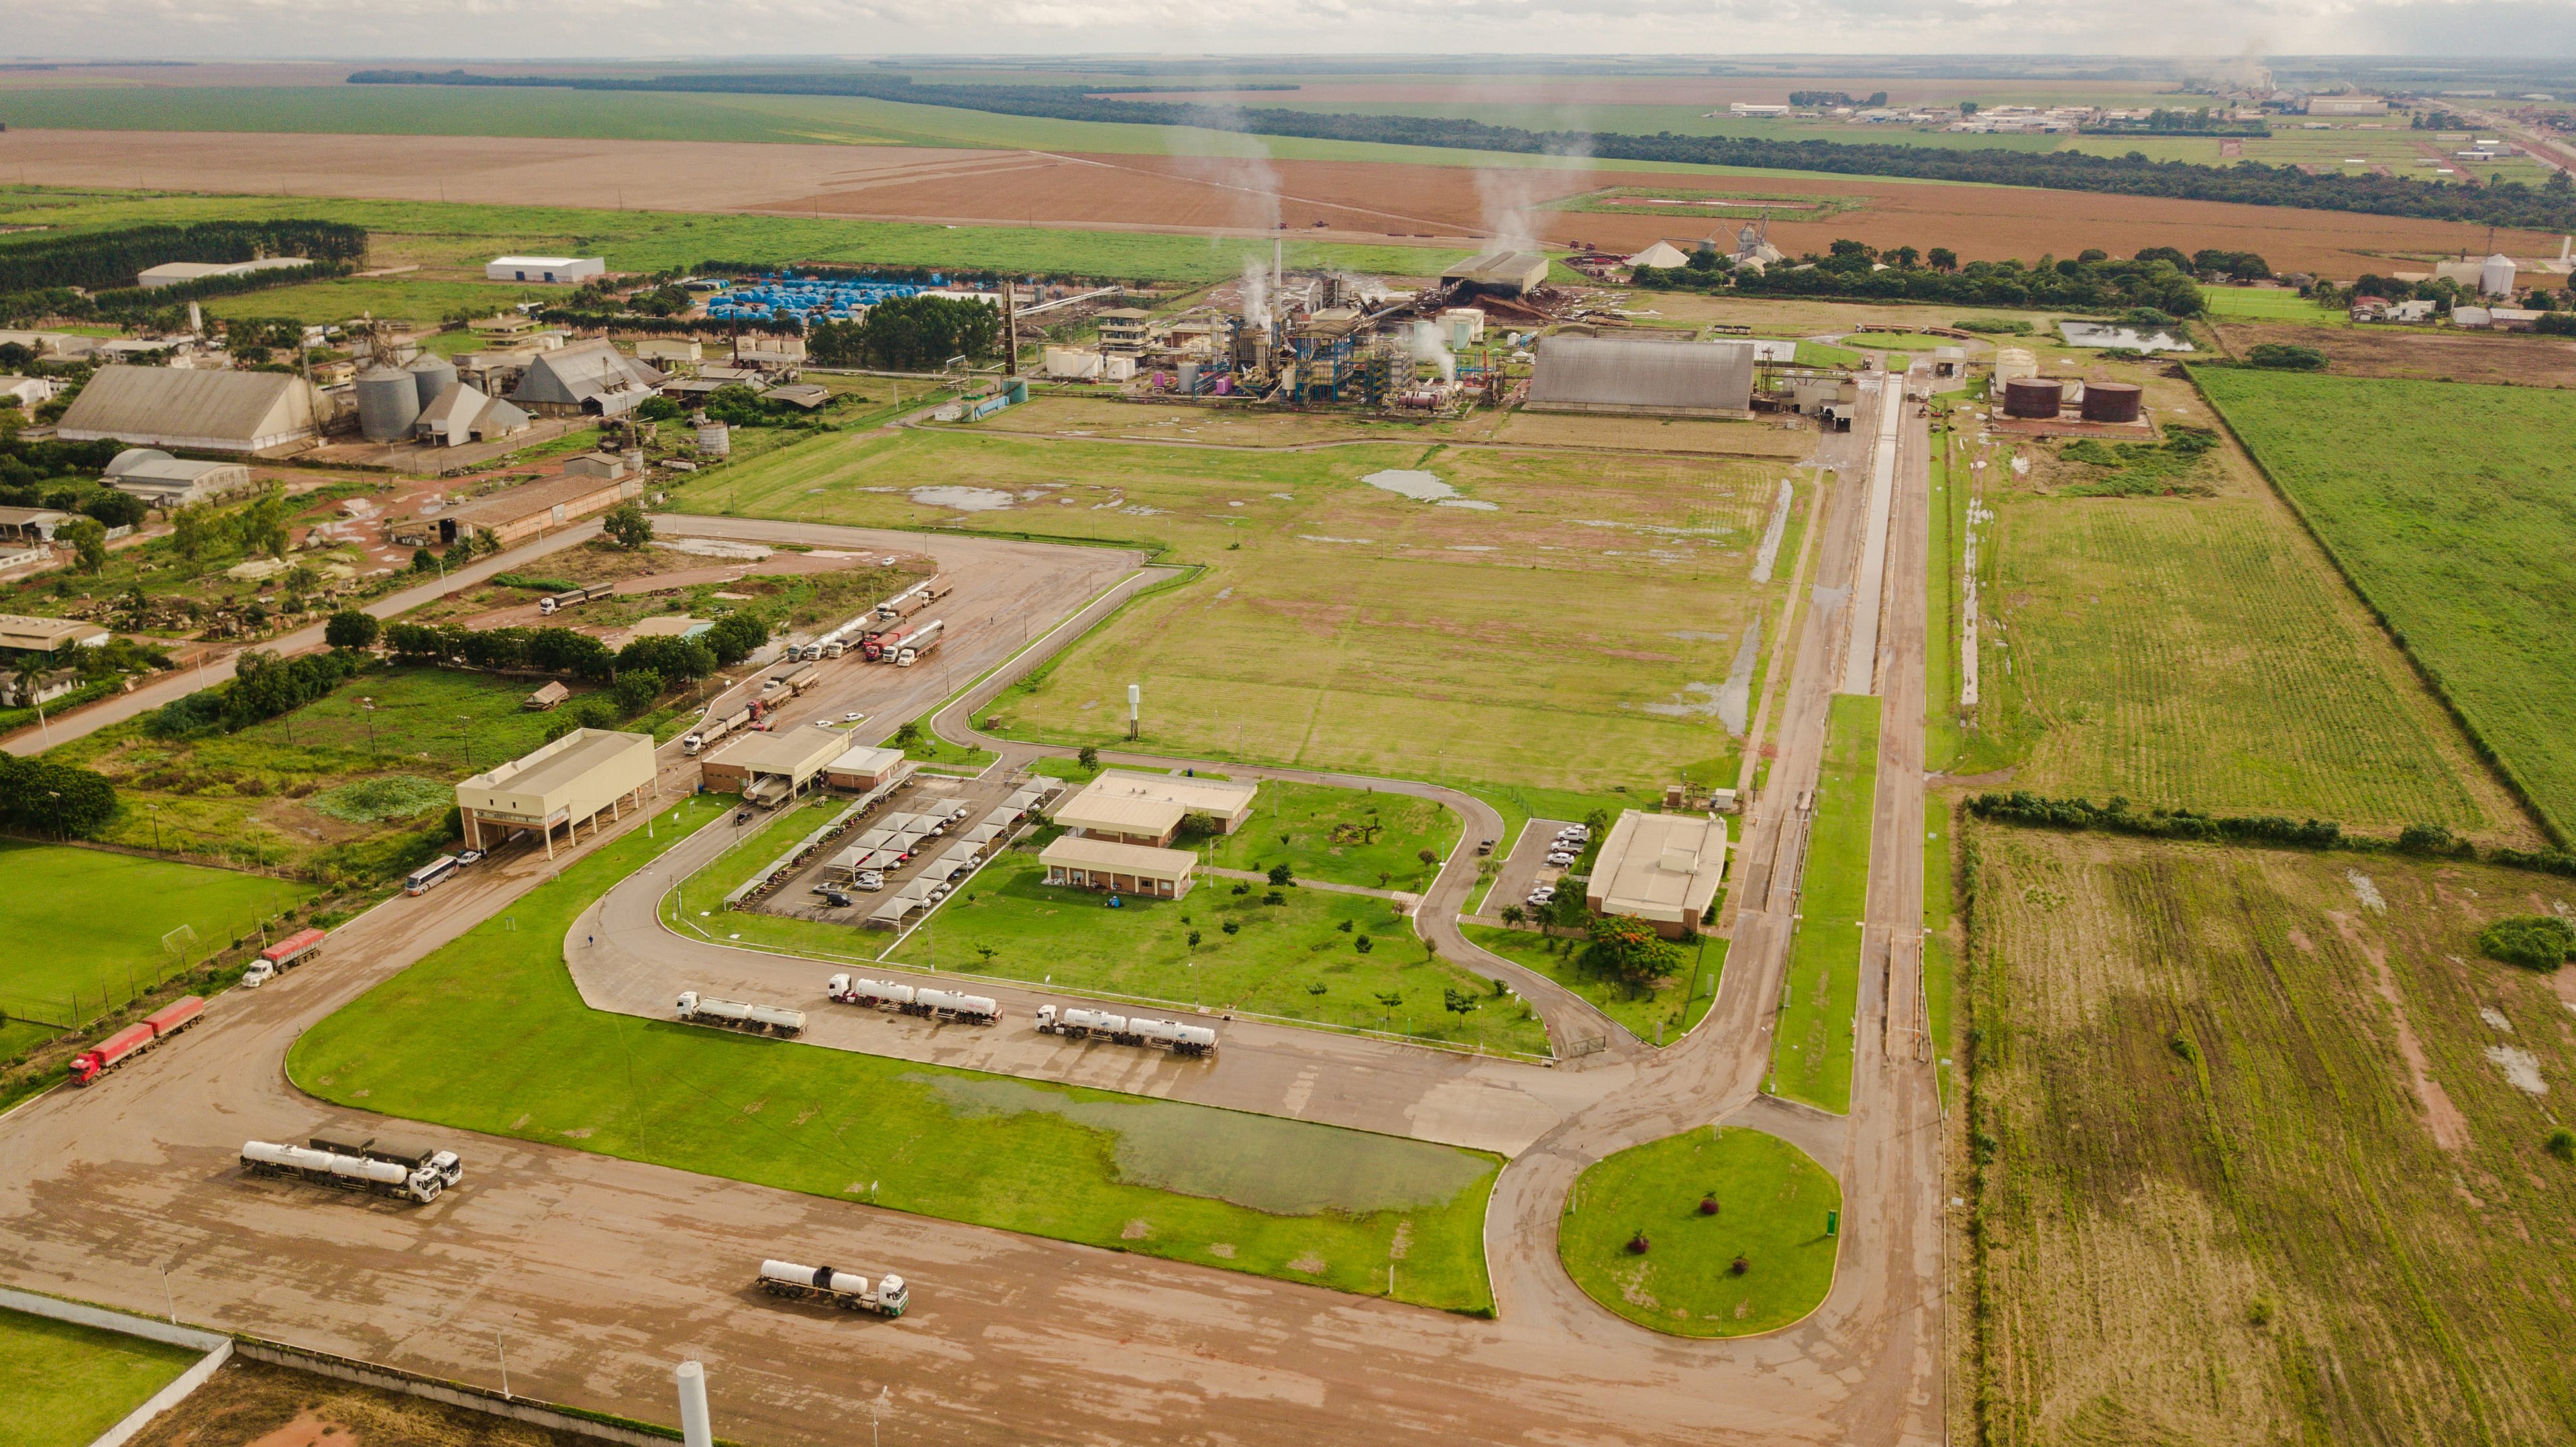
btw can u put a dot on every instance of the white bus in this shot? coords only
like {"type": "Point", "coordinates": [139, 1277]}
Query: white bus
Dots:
{"type": "Point", "coordinates": [420, 880]}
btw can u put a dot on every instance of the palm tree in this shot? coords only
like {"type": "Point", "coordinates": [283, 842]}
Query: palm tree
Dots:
{"type": "Point", "coordinates": [30, 670]}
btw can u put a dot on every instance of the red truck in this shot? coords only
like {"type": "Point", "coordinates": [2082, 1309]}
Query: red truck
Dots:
{"type": "Point", "coordinates": [134, 1039]}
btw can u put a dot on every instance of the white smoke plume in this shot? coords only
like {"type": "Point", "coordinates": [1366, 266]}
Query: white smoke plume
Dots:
{"type": "Point", "coordinates": [1427, 347]}
{"type": "Point", "coordinates": [1512, 199]}
{"type": "Point", "coordinates": [1256, 290]}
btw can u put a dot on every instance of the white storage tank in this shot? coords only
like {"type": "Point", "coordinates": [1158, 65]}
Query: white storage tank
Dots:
{"type": "Point", "coordinates": [714, 440]}
{"type": "Point", "coordinates": [2495, 276]}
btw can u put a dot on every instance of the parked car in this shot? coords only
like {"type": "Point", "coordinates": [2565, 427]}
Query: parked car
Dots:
{"type": "Point", "coordinates": [1484, 846]}
{"type": "Point", "coordinates": [836, 899]}
{"type": "Point", "coordinates": [870, 881]}
{"type": "Point", "coordinates": [467, 857]}
{"type": "Point", "coordinates": [1561, 858]}
{"type": "Point", "coordinates": [853, 716]}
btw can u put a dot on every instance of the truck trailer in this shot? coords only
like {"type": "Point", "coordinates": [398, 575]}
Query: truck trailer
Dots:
{"type": "Point", "coordinates": [558, 602]}
{"type": "Point", "coordinates": [906, 603]}
{"type": "Point", "coordinates": [419, 1184]}
{"type": "Point", "coordinates": [920, 643]}
{"type": "Point", "coordinates": [789, 682]}
{"type": "Point", "coordinates": [699, 1009]}
{"type": "Point", "coordinates": [920, 1000]}
{"type": "Point", "coordinates": [1074, 1022]}
{"type": "Point", "coordinates": [136, 1038]}
{"type": "Point", "coordinates": [286, 954]}
{"type": "Point", "coordinates": [722, 728]}
{"type": "Point", "coordinates": [846, 1290]}
{"type": "Point", "coordinates": [888, 645]}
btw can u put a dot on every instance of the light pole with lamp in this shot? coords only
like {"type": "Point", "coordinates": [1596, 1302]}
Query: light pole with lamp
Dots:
{"type": "Point", "coordinates": [368, 707]}
{"type": "Point", "coordinates": [156, 826]}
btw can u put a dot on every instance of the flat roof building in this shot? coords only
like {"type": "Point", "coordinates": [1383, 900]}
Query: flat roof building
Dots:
{"type": "Point", "coordinates": [1223, 802]}
{"type": "Point", "coordinates": [544, 268]}
{"type": "Point", "coordinates": [183, 407]}
{"type": "Point", "coordinates": [530, 509]}
{"type": "Point", "coordinates": [866, 768]}
{"type": "Point", "coordinates": [30, 524]}
{"type": "Point", "coordinates": [171, 273]}
{"type": "Point", "coordinates": [1118, 868]}
{"type": "Point", "coordinates": [45, 635]}
{"type": "Point", "coordinates": [769, 769]}
{"type": "Point", "coordinates": [1630, 375]}
{"type": "Point", "coordinates": [1499, 273]}
{"type": "Point", "coordinates": [1122, 818]}
{"type": "Point", "coordinates": [1660, 868]}
{"type": "Point", "coordinates": [167, 482]}
{"type": "Point", "coordinates": [577, 777]}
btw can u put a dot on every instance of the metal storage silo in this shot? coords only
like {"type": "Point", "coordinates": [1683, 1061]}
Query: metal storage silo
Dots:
{"type": "Point", "coordinates": [388, 404]}
{"type": "Point", "coordinates": [431, 373]}
{"type": "Point", "coordinates": [2033, 396]}
{"type": "Point", "coordinates": [2495, 275]}
{"type": "Point", "coordinates": [714, 440]}
{"type": "Point", "coordinates": [2112, 401]}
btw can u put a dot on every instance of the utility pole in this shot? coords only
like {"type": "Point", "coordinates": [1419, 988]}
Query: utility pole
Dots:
{"type": "Point", "coordinates": [1010, 327]}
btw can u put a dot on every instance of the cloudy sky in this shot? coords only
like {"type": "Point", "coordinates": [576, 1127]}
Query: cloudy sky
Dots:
{"type": "Point", "coordinates": [546, 29]}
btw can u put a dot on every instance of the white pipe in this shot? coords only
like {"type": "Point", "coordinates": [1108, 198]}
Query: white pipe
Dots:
{"type": "Point", "coordinates": [694, 1428]}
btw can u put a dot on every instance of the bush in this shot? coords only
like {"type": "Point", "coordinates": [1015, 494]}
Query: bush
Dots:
{"type": "Point", "coordinates": [2118, 817]}
{"type": "Point", "coordinates": [2562, 1143]}
{"type": "Point", "coordinates": [2283, 357]}
{"type": "Point", "coordinates": [2434, 841]}
{"type": "Point", "coordinates": [2533, 941]}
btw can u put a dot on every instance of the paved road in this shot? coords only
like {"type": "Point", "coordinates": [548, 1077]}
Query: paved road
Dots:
{"type": "Point", "coordinates": [603, 1272]}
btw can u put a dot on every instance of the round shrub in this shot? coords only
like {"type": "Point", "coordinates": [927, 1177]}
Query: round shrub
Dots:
{"type": "Point", "coordinates": [2533, 941]}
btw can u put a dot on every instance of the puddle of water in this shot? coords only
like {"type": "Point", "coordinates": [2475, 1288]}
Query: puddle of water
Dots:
{"type": "Point", "coordinates": [1735, 696]}
{"type": "Point", "coordinates": [1478, 504]}
{"type": "Point", "coordinates": [2495, 1017]}
{"type": "Point", "coordinates": [964, 499]}
{"type": "Point", "coordinates": [1320, 538]}
{"type": "Point", "coordinates": [1772, 533]}
{"type": "Point", "coordinates": [1410, 482]}
{"type": "Point", "coordinates": [1686, 706]}
{"type": "Point", "coordinates": [2365, 891]}
{"type": "Point", "coordinates": [2521, 1068]}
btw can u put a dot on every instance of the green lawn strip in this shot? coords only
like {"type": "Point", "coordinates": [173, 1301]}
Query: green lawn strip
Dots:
{"type": "Point", "coordinates": [1669, 1010]}
{"type": "Point", "coordinates": [1347, 836]}
{"type": "Point", "coordinates": [1899, 341]}
{"type": "Point", "coordinates": [699, 899]}
{"type": "Point", "coordinates": [89, 924]}
{"type": "Point", "coordinates": [63, 1384]}
{"type": "Point", "coordinates": [488, 1034]}
{"type": "Point", "coordinates": [1773, 1202]}
{"type": "Point", "coordinates": [1811, 1057]}
{"type": "Point", "coordinates": [2463, 539]}
{"type": "Point", "coordinates": [1826, 354]}
{"type": "Point", "coordinates": [1940, 980]}
{"type": "Point", "coordinates": [1271, 966]}
{"type": "Point", "coordinates": [1941, 591]}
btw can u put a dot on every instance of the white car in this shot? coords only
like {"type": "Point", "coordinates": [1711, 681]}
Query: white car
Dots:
{"type": "Point", "coordinates": [852, 717]}
{"type": "Point", "coordinates": [870, 880]}
{"type": "Point", "coordinates": [1560, 859]}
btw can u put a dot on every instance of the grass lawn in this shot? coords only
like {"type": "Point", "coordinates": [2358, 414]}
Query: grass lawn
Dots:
{"type": "Point", "coordinates": [1811, 1058]}
{"type": "Point", "coordinates": [2270, 304]}
{"type": "Point", "coordinates": [1658, 1017]}
{"type": "Point", "coordinates": [2252, 1164]}
{"type": "Point", "coordinates": [1826, 354]}
{"type": "Point", "coordinates": [422, 303]}
{"type": "Point", "coordinates": [2199, 651]}
{"type": "Point", "coordinates": [88, 924]}
{"type": "Point", "coordinates": [1898, 341]}
{"type": "Point", "coordinates": [488, 1034]}
{"type": "Point", "coordinates": [1347, 836]}
{"type": "Point", "coordinates": [1291, 960]}
{"type": "Point", "coordinates": [1942, 598]}
{"type": "Point", "coordinates": [1940, 966]}
{"type": "Point", "coordinates": [1341, 625]}
{"type": "Point", "coordinates": [2453, 510]}
{"type": "Point", "coordinates": [64, 1384]}
{"type": "Point", "coordinates": [1772, 1203]}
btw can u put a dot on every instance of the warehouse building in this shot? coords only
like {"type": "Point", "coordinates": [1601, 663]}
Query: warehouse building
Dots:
{"type": "Point", "coordinates": [48, 635]}
{"type": "Point", "coordinates": [1660, 868]}
{"type": "Point", "coordinates": [167, 482]}
{"type": "Point", "coordinates": [1498, 273]}
{"type": "Point", "coordinates": [171, 273]}
{"type": "Point", "coordinates": [1634, 376]}
{"type": "Point", "coordinates": [865, 770]}
{"type": "Point", "coordinates": [528, 511]}
{"type": "Point", "coordinates": [575, 779]}
{"type": "Point", "coordinates": [591, 379]}
{"type": "Point", "coordinates": [1223, 803]}
{"type": "Point", "coordinates": [770, 769]}
{"type": "Point", "coordinates": [1119, 868]}
{"type": "Point", "coordinates": [183, 407]}
{"type": "Point", "coordinates": [30, 524]}
{"type": "Point", "coordinates": [461, 413]}
{"type": "Point", "coordinates": [544, 268]}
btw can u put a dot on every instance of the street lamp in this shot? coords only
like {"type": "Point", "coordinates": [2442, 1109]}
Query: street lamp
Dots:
{"type": "Point", "coordinates": [156, 826]}
{"type": "Point", "coordinates": [369, 706]}
{"type": "Point", "coordinates": [57, 796]}
{"type": "Point", "coordinates": [467, 742]}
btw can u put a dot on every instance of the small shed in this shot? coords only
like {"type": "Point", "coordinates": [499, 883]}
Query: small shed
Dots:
{"type": "Point", "coordinates": [546, 698]}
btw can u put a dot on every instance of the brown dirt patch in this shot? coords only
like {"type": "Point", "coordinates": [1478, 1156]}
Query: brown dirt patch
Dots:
{"type": "Point", "coordinates": [2450, 1128]}
{"type": "Point", "coordinates": [253, 1404]}
{"type": "Point", "coordinates": [2512, 358]}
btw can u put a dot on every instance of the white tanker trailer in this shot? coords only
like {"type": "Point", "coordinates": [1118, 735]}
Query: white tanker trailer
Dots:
{"type": "Point", "coordinates": [921, 1000]}
{"type": "Point", "coordinates": [419, 1183]}
{"type": "Point", "coordinates": [1077, 1023]}
{"type": "Point", "coordinates": [886, 1296]}
{"type": "Point", "coordinates": [699, 1009]}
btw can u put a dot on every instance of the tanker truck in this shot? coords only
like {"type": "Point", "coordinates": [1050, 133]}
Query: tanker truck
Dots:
{"type": "Point", "coordinates": [419, 1184]}
{"type": "Point", "coordinates": [920, 643]}
{"type": "Point", "coordinates": [1077, 1023]}
{"type": "Point", "coordinates": [887, 1296]}
{"type": "Point", "coordinates": [697, 1009]}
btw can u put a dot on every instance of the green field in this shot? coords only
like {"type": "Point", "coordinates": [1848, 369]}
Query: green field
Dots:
{"type": "Point", "coordinates": [2270, 304]}
{"type": "Point", "coordinates": [1811, 1057]}
{"type": "Point", "coordinates": [489, 1034]}
{"type": "Point", "coordinates": [1940, 944]}
{"type": "Point", "coordinates": [1658, 1017]}
{"type": "Point", "coordinates": [1530, 643]}
{"type": "Point", "coordinates": [2199, 652]}
{"type": "Point", "coordinates": [2246, 1156]}
{"type": "Point", "coordinates": [1292, 960]}
{"type": "Point", "coordinates": [456, 237]}
{"type": "Point", "coordinates": [421, 303]}
{"type": "Point", "coordinates": [2452, 508]}
{"type": "Point", "coordinates": [1772, 1204]}
{"type": "Point", "coordinates": [1348, 836]}
{"type": "Point", "coordinates": [88, 924]}
{"type": "Point", "coordinates": [65, 1384]}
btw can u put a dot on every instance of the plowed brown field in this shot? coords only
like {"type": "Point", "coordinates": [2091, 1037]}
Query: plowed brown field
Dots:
{"type": "Point", "coordinates": [1351, 199]}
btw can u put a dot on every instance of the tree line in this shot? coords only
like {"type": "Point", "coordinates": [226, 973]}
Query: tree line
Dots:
{"type": "Point", "coordinates": [101, 260]}
{"type": "Point", "coordinates": [2512, 203]}
{"type": "Point", "coordinates": [2091, 282]}
{"type": "Point", "coordinates": [909, 334]}
{"type": "Point", "coordinates": [161, 308]}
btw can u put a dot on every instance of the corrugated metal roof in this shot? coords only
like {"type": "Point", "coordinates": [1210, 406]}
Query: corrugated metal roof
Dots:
{"type": "Point", "coordinates": [1631, 372]}
{"type": "Point", "coordinates": [572, 375]}
{"type": "Point", "coordinates": [504, 508]}
{"type": "Point", "coordinates": [142, 403]}
{"type": "Point", "coordinates": [1080, 853]}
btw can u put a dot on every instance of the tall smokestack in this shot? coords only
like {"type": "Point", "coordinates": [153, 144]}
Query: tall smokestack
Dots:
{"type": "Point", "coordinates": [1278, 265]}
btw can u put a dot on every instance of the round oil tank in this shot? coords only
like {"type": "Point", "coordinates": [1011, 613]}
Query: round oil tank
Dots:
{"type": "Point", "coordinates": [431, 373]}
{"type": "Point", "coordinates": [388, 404]}
{"type": "Point", "coordinates": [714, 440]}
{"type": "Point", "coordinates": [2033, 396]}
{"type": "Point", "coordinates": [2112, 401]}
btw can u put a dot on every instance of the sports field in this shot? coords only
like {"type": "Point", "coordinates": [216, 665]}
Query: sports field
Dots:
{"type": "Point", "coordinates": [2452, 508]}
{"type": "Point", "coordinates": [1568, 620]}
{"type": "Point", "coordinates": [62, 1385]}
{"type": "Point", "coordinates": [2258, 1149]}
{"type": "Point", "coordinates": [489, 1034]}
{"type": "Point", "coordinates": [85, 926]}
{"type": "Point", "coordinates": [1811, 1057]}
{"type": "Point", "coordinates": [1772, 1201]}
{"type": "Point", "coordinates": [2199, 651]}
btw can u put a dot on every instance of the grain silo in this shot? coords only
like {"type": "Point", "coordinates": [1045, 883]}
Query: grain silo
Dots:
{"type": "Point", "coordinates": [431, 374]}
{"type": "Point", "coordinates": [2033, 397]}
{"type": "Point", "coordinates": [2112, 401]}
{"type": "Point", "coordinates": [388, 404]}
